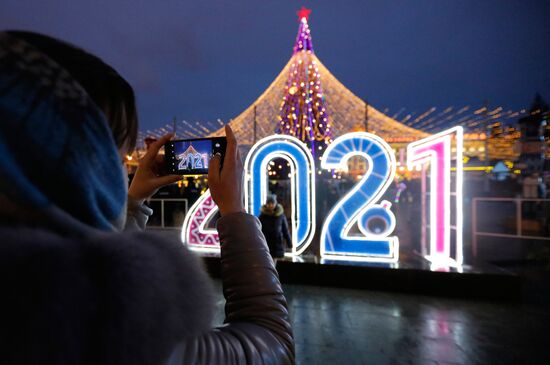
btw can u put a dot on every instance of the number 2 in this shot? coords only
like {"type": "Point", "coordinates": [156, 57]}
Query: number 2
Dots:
{"type": "Point", "coordinates": [359, 205]}
{"type": "Point", "coordinates": [194, 232]}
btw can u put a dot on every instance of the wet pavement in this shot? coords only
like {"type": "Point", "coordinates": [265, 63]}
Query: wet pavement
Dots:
{"type": "Point", "coordinates": [346, 326]}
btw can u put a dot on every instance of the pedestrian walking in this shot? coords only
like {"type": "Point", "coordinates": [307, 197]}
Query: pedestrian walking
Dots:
{"type": "Point", "coordinates": [275, 227]}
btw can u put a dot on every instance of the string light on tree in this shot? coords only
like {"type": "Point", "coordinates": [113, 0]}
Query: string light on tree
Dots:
{"type": "Point", "coordinates": [303, 113]}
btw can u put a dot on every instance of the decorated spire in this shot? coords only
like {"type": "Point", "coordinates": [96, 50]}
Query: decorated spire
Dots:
{"type": "Point", "coordinates": [303, 39]}
{"type": "Point", "coordinates": [303, 113]}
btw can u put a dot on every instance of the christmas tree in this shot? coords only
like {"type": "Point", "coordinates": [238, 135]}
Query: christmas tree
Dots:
{"type": "Point", "coordinates": [303, 113]}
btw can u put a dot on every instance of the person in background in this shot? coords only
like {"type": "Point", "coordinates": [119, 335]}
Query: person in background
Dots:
{"type": "Point", "coordinates": [530, 192]}
{"type": "Point", "coordinates": [81, 282]}
{"type": "Point", "coordinates": [275, 227]}
{"type": "Point", "coordinates": [530, 186]}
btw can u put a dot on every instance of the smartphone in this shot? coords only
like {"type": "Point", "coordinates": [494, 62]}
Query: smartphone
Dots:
{"type": "Point", "coordinates": [192, 156]}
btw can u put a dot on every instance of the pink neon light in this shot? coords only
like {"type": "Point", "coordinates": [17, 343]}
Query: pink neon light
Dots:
{"type": "Point", "coordinates": [196, 235]}
{"type": "Point", "coordinates": [436, 151]}
{"type": "Point", "coordinates": [440, 182]}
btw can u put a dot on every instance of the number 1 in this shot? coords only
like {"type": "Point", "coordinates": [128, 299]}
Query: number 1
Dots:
{"type": "Point", "coordinates": [436, 150]}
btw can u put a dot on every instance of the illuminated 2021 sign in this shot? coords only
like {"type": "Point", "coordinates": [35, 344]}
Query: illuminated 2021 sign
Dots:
{"type": "Point", "coordinates": [372, 240]}
{"type": "Point", "coordinates": [437, 151]}
{"type": "Point", "coordinates": [359, 206]}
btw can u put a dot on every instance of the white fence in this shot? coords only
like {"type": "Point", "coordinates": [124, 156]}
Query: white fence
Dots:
{"type": "Point", "coordinates": [163, 205]}
{"type": "Point", "coordinates": [518, 221]}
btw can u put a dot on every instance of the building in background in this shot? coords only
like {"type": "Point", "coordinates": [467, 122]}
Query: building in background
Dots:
{"type": "Point", "coordinates": [533, 144]}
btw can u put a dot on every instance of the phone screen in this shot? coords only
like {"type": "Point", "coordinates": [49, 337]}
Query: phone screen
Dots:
{"type": "Point", "coordinates": [192, 156]}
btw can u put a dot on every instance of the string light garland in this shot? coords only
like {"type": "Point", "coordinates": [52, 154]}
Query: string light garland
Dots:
{"type": "Point", "coordinates": [297, 104]}
{"type": "Point", "coordinates": [303, 113]}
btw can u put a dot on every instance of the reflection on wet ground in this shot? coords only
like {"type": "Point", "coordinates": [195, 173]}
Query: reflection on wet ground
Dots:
{"type": "Point", "coordinates": [345, 326]}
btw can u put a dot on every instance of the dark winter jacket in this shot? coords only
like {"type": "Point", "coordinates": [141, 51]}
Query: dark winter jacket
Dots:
{"type": "Point", "coordinates": [138, 298]}
{"type": "Point", "coordinates": [275, 229]}
{"type": "Point", "coordinates": [73, 288]}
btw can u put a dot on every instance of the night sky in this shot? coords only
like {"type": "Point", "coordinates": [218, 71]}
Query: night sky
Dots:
{"type": "Point", "coordinates": [202, 60]}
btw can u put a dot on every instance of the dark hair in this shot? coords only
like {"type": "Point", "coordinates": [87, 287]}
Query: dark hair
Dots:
{"type": "Point", "coordinates": [110, 91]}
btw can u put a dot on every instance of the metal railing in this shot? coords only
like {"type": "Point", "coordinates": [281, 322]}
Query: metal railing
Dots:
{"type": "Point", "coordinates": [518, 219]}
{"type": "Point", "coordinates": [163, 212]}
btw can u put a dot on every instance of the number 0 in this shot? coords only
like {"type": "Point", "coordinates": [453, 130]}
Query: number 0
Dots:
{"type": "Point", "coordinates": [302, 184]}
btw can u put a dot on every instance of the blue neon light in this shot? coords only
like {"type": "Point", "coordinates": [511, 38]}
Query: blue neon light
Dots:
{"type": "Point", "coordinates": [358, 206]}
{"type": "Point", "coordinates": [300, 166]}
{"type": "Point", "coordinates": [302, 184]}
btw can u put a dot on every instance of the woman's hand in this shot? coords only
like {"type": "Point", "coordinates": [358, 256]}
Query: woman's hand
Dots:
{"type": "Point", "coordinates": [226, 186]}
{"type": "Point", "coordinates": [148, 178]}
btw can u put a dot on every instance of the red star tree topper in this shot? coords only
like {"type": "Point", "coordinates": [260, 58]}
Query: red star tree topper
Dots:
{"type": "Point", "coordinates": [303, 13]}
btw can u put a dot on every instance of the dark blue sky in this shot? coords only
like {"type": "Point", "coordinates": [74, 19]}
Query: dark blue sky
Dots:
{"type": "Point", "coordinates": [202, 60]}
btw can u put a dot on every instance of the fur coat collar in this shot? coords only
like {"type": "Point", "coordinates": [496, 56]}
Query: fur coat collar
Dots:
{"type": "Point", "coordinates": [125, 298]}
{"type": "Point", "coordinates": [278, 211]}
